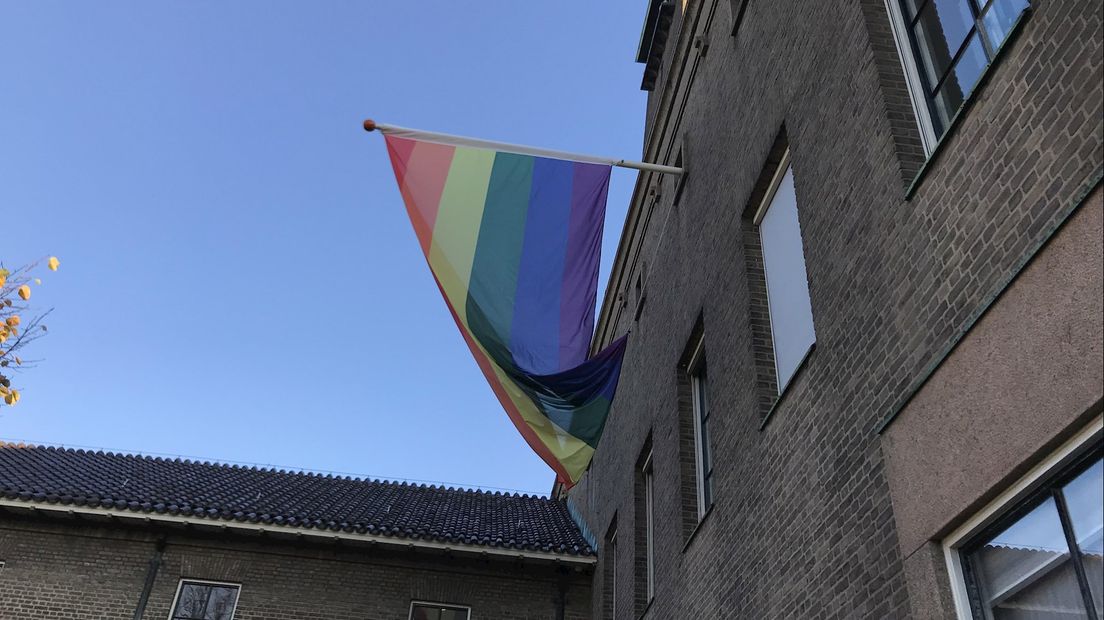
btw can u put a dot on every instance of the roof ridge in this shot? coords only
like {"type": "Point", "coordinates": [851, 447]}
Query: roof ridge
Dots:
{"type": "Point", "coordinates": [282, 470]}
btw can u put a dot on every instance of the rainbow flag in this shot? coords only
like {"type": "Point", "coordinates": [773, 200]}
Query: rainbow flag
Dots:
{"type": "Point", "coordinates": [513, 242]}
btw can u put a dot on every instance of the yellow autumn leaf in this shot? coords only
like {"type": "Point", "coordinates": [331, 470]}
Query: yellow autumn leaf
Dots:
{"type": "Point", "coordinates": [12, 397]}
{"type": "Point", "coordinates": [24, 292]}
{"type": "Point", "coordinates": [3, 280]}
{"type": "Point", "coordinates": [12, 320]}
{"type": "Point", "coordinates": [18, 361]}
{"type": "Point", "coordinates": [38, 281]}
{"type": "Point", "coordinates": [4, 390]}
{"type": "Point", "coordinates": [53, 263]}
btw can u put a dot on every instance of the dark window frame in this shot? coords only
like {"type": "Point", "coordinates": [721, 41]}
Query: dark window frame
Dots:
{"type": "Point", "coordinates": [415, 604]}
{"type": "Point", "coordinates": [978, 10]}
{"type": "Point", "coordinates": [609, 585]}
{"type": "Point", "coordinates": [696, 371]}
{"type": "Point", "coordinates": [175, 614]}
{"type": "Point", "coordinates": [1050, 489]}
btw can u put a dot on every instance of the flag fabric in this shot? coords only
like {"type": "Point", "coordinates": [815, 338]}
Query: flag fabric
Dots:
{"type": "Point", "coordinates": [514, 242]}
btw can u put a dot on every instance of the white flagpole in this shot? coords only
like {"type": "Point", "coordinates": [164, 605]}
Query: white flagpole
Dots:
{"type": "Point", "coordinates": [444, 138]}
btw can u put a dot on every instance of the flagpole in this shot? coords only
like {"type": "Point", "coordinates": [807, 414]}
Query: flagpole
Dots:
{"type": "Point", "coordinates": [444, 138]}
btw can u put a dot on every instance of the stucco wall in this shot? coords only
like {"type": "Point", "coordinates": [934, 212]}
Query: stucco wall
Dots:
{"type": "Point", "coordinates": [1021, 381]}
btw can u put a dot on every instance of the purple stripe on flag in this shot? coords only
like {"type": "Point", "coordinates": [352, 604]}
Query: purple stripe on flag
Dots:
{"type": "Point", "coordinates": [535, 329]}
{"type": "Point", "coordinates": [584, 249]}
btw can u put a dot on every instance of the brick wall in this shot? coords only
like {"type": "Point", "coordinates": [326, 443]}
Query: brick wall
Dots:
{"type": "Point", "coordinates": [803, 524]}
{"type": "Point", "coordinates": [54, 569]}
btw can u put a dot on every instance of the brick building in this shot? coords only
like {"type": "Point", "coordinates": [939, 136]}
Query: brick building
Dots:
{"type": "Point", "coordinates": [864, 376]}
{"type": "Point", "coordinates": [102, 535]}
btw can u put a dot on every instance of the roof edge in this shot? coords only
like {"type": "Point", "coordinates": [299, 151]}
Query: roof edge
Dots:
{"type": "Point", "coordinates": [287, 470]}
{"type": "Point", "coordinates": [541, 556]}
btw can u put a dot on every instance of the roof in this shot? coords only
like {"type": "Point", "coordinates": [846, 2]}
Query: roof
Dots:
{"type": "Point", "coordinates": [296, 500]}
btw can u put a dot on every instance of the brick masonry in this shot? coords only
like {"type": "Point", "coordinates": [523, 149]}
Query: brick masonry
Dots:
{"type": "Point", "coordinates": [65, 570]}
{"type": "Point", "coordinates": [803, 524]}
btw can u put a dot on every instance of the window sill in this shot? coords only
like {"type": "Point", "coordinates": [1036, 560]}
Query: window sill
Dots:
{"type": "Point", "coordinates": [787, 389]}
{"type": "Point", "coordinates": [956, 121]}
{"type": "Point", "coordinates": [697, 528]}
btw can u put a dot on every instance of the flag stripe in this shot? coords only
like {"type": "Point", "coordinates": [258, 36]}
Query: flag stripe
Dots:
{"type": "Point", "coordinates": [583, 252]}
{"type": "Point", "coordinates": [537, 305]}
{"type": "Point", "coordinates": [493, 284]}
{"type": "Point", "coordinates": [457, 227]}
{"type": "Point", "coordinates": [424, 180]}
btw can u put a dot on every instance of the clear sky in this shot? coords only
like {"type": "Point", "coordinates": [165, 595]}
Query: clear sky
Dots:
{"type": "Point", "coordinates": [239, 280]}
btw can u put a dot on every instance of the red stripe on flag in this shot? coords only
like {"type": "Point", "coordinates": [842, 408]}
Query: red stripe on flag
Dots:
{"type": "Point", "coordinates": [421, 169]}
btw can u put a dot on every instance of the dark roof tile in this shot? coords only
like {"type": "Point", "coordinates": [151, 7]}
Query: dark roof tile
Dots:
{"type": "Point", "coordinates": [295, 499]}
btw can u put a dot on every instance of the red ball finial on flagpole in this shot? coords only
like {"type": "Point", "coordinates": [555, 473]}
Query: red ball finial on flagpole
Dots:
{"type": "Point", "coordinates": [369, 125]}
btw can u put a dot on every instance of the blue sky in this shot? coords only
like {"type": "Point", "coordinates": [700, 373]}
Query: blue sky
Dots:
{"type": "Point", "coordinates": [239, 280]}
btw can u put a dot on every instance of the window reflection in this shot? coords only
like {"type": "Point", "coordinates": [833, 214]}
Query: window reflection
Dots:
{"type": "Point", "coordinates": [1084, 497]}
{"type": "Point", "coordinates": [955, 40]}
{"type": "Point", "coordinates": [205, 601]}
{"type": "Point", "coordinates": [1028, 570]}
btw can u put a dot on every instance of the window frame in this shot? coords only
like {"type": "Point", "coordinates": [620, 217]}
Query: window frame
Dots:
{"type": "Point", "coordinates": [913, 78]}
{"type": "Point", "coordinates": [785, 165]}
{"type": "Point", "coordinates": [649, 526]}
{"type": "Point", "coordinates": [921, 96]}
{"type": "Point", "coordinates": [612, 555]}
{"type": "Point", "coordinates": [454, 606]}
{"type": "Point", "coordinates": [698, 390]}
{"type": "Point", "coordinates": [1024, 492]}
{"type": "Point", "coordinates": [206, 582]}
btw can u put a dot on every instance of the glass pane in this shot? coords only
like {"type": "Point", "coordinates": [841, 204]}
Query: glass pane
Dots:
{"type": "Point", "coordinates": [1055, 595]}
{"type": "Point", "coordinates": [960, 81]}
{"type": "Point", "coordinates": [1025, 571]}
{"type": "Point", "coordinates": [1085, 500]}
{"type": "Point", "coordinates": [999, 18]}
{"type": "Point", "coordinates": [192, 601]}
{"type": "Point", "coordinates": [940, 30]}
{"type": "Point", "coordinates": [421, 612]}
{"type": "Point", "coordinates": [910, 8]}
{"type": "Point", "coordinates": [220, 605]}
{"type": "Point", "coordinates": [791, 312]}
{"type": "Point", "coordinates": [454, 614]}
{"type": "Point", "coordinates": [701, 401]}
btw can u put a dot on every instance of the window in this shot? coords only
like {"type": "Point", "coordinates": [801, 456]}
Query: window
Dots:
{"type": "Point", "coordinates": [205, 600]}
{"type": "Point", "coordinates": [643, 530]}
{"type": "Point", "coordinates": [649, 527]}
{"type": "Point", "coordinates": [611, 573]}
{"type": "Point", "coordinates": [790, 308]}
{"type": "Point", "coordinates": [699, 383]}
{"type": "Point", "coordinates": [946, 45]}
{"type": "Point", "coordinates": [437, 611]}
{"type": "Point", "coordinates": [1045, 558]}
{"type": "Point", "coordinates": [1036, 551]}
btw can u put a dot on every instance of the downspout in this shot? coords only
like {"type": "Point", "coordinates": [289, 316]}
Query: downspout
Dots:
{"type": "Point", "coordinates": [561, 598]}
{"type": "Point", "coordinates": [151, 575]}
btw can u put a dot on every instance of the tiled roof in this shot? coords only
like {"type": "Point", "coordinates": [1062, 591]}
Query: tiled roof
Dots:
{"type": "Point", "coordinates": [292, 499]}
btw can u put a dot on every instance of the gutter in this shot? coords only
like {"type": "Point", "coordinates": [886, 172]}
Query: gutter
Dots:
{"type": "Point", "coordinates": [142, 517]}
